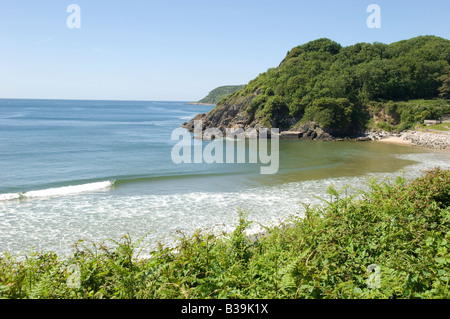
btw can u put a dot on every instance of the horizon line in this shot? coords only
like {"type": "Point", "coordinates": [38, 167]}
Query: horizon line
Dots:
{"type": "Point", "coordinates": [83, 99]}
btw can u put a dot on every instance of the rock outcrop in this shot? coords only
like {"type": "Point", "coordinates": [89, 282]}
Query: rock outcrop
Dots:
{"type": "Point", "coordinates": [232, 114]}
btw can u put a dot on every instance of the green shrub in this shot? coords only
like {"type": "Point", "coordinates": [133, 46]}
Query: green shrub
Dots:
{"type": "Point", "coordinates": [274, 106]}
{"type": "Point", "coordinates": [256, 104]}
{"type": "Point", "coordinates": [385, 126]}
{"type": "Point", "coordinates": [297, 109]}
{"type": "Point", "coordinates": [330, 112]}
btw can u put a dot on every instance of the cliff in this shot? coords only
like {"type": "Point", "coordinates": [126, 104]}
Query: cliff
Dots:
{"type": "Point", "coordinates": [219, 93]}
{"type": "Point", "coordinates": [322, 90]}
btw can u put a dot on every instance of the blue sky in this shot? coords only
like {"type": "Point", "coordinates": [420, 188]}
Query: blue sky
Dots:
{"type": "Point", "coordinates": [179, 50]}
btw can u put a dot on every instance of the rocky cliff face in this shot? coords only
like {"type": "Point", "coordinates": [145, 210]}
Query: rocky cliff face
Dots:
{"type": "Point", "coordinates": [230, 114]}
{"type": "Point", "coordinates": [233, 114]}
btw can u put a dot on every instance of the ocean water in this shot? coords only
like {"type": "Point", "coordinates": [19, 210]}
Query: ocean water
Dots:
{"type": "Point", "coordinates": [95, 170]}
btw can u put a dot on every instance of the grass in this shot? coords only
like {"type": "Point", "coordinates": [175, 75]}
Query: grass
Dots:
{"type": "Point", "coordinates": [389, 242]}
{"type": "Point", "coordinates": [439, 127]}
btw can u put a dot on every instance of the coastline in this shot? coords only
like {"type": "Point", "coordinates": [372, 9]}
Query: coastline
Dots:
{"type": "Point", "coordinates": [403, 142]}
{"type": "Point", "coordinates": [395, 140]}
{"type": "Point", "coordinates": [433, 140]}
{"type": "Point", "coordinates": [200, 103]}
{"type": "Point", "coordinates": [436, 141]}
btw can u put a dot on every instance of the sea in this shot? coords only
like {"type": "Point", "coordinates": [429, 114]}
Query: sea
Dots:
{"type": "Point", "coordinates": [95, 171]}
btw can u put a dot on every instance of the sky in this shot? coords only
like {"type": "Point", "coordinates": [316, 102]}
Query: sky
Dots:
{"type": "Point", "coordinates": [179, 50]}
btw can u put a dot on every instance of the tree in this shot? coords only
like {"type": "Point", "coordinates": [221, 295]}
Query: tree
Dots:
{"type": "Point", "coordinates": [329, 112]}
{"type": "Point", "coordinates": [444, 89]}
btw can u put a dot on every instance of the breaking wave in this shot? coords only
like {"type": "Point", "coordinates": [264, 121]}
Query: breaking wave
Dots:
{"type": "Point", "coordinates": [59, 191]}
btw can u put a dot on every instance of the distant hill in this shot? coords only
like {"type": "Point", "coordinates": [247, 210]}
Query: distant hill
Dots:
{"type": "Point", "coordinates": [216, 95]}
{"type": "Point", "coordinates": [343, 90]}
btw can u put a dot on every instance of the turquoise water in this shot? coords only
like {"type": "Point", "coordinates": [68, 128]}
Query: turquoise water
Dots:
{"type": "Point", "coordinates": [93, 170]}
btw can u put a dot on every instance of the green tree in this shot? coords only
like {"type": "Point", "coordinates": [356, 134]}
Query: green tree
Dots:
{"type": "Point", "coordinates": [444, 89]}
{"type": "Point", "coordinates": [275, 106]}
{"type": "Point", "coordinates": [330, 112]}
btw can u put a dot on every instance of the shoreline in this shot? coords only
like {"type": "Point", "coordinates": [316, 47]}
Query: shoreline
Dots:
{"type": "Point", "coordinates": [435, 141]}
{"type": "Point", "coordinates": [395, 140]}
{"type": "Point", "coordinates": [200, 103]}
{"type": "Point", "coordinates": [431, 140]}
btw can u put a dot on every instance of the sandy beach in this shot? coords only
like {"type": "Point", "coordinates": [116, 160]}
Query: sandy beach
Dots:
{"type": "Point", "coordinates": [396, 140]}
{"type": "Point", "coordinates": [428, 140]}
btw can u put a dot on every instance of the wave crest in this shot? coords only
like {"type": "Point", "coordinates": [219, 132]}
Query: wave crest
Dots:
{"type": "Point", "coordinates": [59, 191]}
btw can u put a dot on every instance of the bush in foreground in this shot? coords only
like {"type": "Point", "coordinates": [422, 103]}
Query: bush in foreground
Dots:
{"type": "Point", "coordinates": [399, 229]}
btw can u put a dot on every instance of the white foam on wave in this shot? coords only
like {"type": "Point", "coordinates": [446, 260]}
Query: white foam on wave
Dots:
{"type": "Point", "coordinates": [59, 191]}
{"type": "Point", "coordinates": [427, 161]}
{"type": "Point", "coordinates": [69, 190]}
{"type": "Point", "coordinates": [10, 196]}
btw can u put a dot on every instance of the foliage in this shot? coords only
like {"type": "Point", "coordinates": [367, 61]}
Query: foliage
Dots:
{"type": "Point", "coordinates": [404, 115]}
{"type": "Point", "coordinates": [363, 74]}
{"type": "Point", "coordinates": [330, 112]}
{"type": "Point", "coordinates": [222, 92]}
{"type": "Point", "coordinates": [444, 89]}
{"type": "Point", "coordinates": [439, 127]}
{"type": "Point", "coordinates": [402, 227]}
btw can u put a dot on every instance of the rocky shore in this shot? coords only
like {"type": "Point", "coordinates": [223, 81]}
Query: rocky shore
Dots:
{"type": "Point", "coordinates": [428, 139]}
{"type": "Point", "coordinates": [431, 140]}
{"type": "Point", "coordinates": [306, 131]}
{"type": "Point", "coordinates": [312, 131]}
